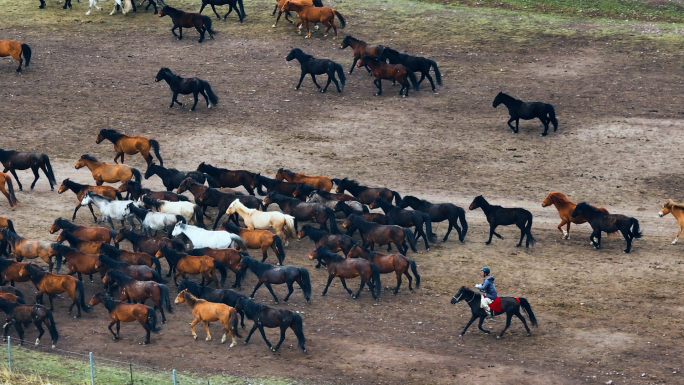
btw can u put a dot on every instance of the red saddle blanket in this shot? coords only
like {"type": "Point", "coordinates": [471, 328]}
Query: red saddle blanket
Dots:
{"type": "Point", "coordinates": [496, 304]}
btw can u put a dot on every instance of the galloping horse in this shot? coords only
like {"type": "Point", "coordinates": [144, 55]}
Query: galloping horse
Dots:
{"type": "Point", "coordinates": [509, 305]}
{"type": "Point", "coordinates": [345, 268]}
{"type": "Point", "coordinates": [228, 178]}
{"type": "Point", "coordinates": [610, 223]}
{"type": "Point", "coordinates": [317, 181]}
{"type": "Point", "coordinates": [205, 311]}
{"type": "Point", "coordinates": [137, 191]}
{"type": "Point", "coordinates": [232, 4]}
{"type": "Point", "coordinates": [29, 249]}
{"type": "Point", "coordinates": [388, 263]}
{"type": "Point", "coordinates": [439, 212]}
{"type": "Point", "coordinates": [366, 194]}
{"type": "Point", "coordinates": [172, 178]}
{"type": "Point", "coordinates": [268, 274]}
{"type": "Point", "coordinates": [14, 160]}
{"type": "Point", "coordinates": [19, 314]}
{"type": "Point", "coordinates": [360, 49]}
{"type": "Point", "coordinates": [6, 179]}
{"type": "Point", "coordinates": [259, 239]}
{"type": "Point", "coordinates": [16, 48]}
{"type": "Point", "coordinates": [415, 64]}
{"type": "Point", "coordinates": [139, 291]}
{"type": "Point", "coordinates": [518, 109]}
{"type": "Point", "coordinates": [183, 86]}
{"type": "Point", "coordinates": [188, 20]}
{"type": "Point", "coordinates": [372, 233]}
{"type": "Point", "coordinates": [264, 316]}
{"type": "Point", "coordinates": [81, 189]}
{"type": "Point", "coordinates": [224, 296]}
{"type": "Point", "coordinates": [394, 72]}
{"type": "Point", "coordinates": [565, 208]}
{"type": "Point", "coordinates": [131, 145]}
{"type": "Point", "coordinates": [94, 234]}
{"type": "Point", "coordinates": [308, 14]}
{"type": "Point", "coordinates": [302, 211]}
{"type": "Point", "coordinates": [254, 219]}
{"type": "Point", "coordinates": [110, 173]}
{"type": "Point", "coordinates": [125, 312]}
{"type": "Point", "coordinates": [53, 284]}
{"type": "Point", "coordinates": [500, 216]}
{"type": "Point", "coordinates": [677, 211]}
{"type": "Point", "coordinates": [407, 218]}
{"type": "Point", "coordinates": [313, 66]}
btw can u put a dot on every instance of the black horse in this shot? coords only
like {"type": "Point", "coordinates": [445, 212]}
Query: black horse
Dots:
{"type": "Point", "coordinates": [225, 296]}
{"type": "Point", "coordinates": [232, 4]}
{"type": "Point", "coordinates": [610, 223]}
{"type": "Point", "coordinates": [518, 109]}
{"type": "Point", "coordinates": [407, 218]}
{"type": "Point", "coordinates": [439, 212]}
{"type": "Point", "coordinates": [274, 185]}
{"type": "Point", "coordinates": [509, 305]}
{"type": "Point", "coordinates": [499, 216]}
{"type": "Point", "coordinates": [171, 177]}
{"type": "Point", "coordinates": [14, 160]}
{"type": "Point", "coordinates": [187, 86]}
{"type": "Point", "coordinates": [18, 314]}
{"type": "Point", "coordinates": [313, 66]}
{"type": "Point", "coordinates": [228, 178]}
{"type": "Point", "coordinates": [268, 274]}
{"type": "Point", "coordinates": [264, 316]}
{"type": "Point", "coordinates": [414, 63]}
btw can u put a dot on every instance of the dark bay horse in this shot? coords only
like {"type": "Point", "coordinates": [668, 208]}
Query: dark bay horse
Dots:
{"type": "Point", "coordinates": [313, 66]}
{"type": "Point", "coordinates": [232, 5]}
{"type": "Point", "coordinates": [334, 242]}
{"type": "Point", "coordinates": [346, 268]}
{"type": "Point", "coordinates": [212, 197]}
{"type": "Point", "coordinates": [130, 257]}
{"type": "Point", "coordinates": [609, 223]}
{"type": "Point", "coordinates": [172, 178]}
{"type": "Point", "coordinates": [81, 189]}
{"type": "Point", "coordinates": [360, 49]}
{"type": "Point", "coordinates": [372, 233]}
{"type": "Point", "coordinates": [139, 291]}
{"type": "Point", "coordinates": [388, 263]}
{"type": "Point", "coordinates": [500, 216]}
{"type": "Point", "coordinates": [440, 212]}
{"type": "Point", "coordinates": [268, 274]}
{"type": "Point", "coordinates": [509, 305]}
{"type": "Point", "coordinates": [415, 64]}
{"type": "Point", "coordinates": [17, 49]}
{"type": "Point", "coordinates": [125, 312]}
{"type": "Point", "coordinates": [364, 193]}
{"type": "Point", "coordinates": [224, 296]}
{"type": "Point", "coordinates": [518, 109]}
{"type": "Point", "coordinates": [137, 272]}
{"type": "Point", "coordinates": [407, 218]}
{"type": "Point", "coordinates": [131, 145]}
{"type": "Point", "coordinates": [303, 211]}
{"type": "Point", "coordinates": [12, 271]}
{"type": "Point", "coordinates": [137, 191]}
{"type": "Point", "coordinates": [148, 245]}
{"type": "Point", "coordinates": [87, 247]}
{"type": "Point", "coordinates": [228, 178]}
{"type": "Point", "coordinates": [274, 185]}
{"type": "Point", "coordinates": [94, 234]}
{"type": "Point", "coordinates": [14, 160]}
{"type": "Point", "coordinates": [264, 316]}
{"type": "Point", "coordinates": [394, 72]}
{"type": "Point", "coordinates": [188, 20]}
{"type": "Point", "coordinates": [18, 314]}
{"type": "Point", "coordinates": [187, 86]}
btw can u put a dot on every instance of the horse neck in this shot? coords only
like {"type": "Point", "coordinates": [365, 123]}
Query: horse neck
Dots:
{"type": "Point", "coordinates": [242, 209]}
{"type": "Point", "coordinates": [109, 303]}
{"type": "Point", "coordinates": [5, 155]}
{"type": "Point", "coordinates": [139, 212]}
{"type": "Point", "coordinates": [385, 206]}
{"type": "Point", "coordinates": [354, 188]}
{"type": "Point", "coordinates": [372, 64]}
{"type": "Point", "coordinates": [132, 236]}
{"type": "Point", "coordinates": [91, 164]}
{"type": "Point", "coordinates": [259, 268]}
{"type": "Point", "coordinates": [485, 206]}
{"type": "Point", "coordinates": [66, 225]}
{"type": "Point", "coordinates": [314, 234]}
{"type": "Point", "coordinates": [192, 300]}
{"type": "Point", "coordinates": [75, 187]}
{"type": "Point", "coordinates": [509, 101]}
{"type": "Point", "coordinates": [363, 252]}
{"type": "Point", "coordinates": [71, 238]}
{"type": "Point", "coordinates": [362, 225]}
{"type": "Point", "coordinates": [121, 279]}
{"type": "Point", "coordinates": [197, 189]}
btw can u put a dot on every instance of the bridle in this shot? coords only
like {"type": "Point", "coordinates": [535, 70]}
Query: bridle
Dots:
{"type": "Point", "coordinates": [468, 301]}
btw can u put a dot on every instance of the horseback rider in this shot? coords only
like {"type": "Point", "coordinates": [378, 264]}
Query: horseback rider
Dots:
{"type": "Point", "coordinates": [489, 291]}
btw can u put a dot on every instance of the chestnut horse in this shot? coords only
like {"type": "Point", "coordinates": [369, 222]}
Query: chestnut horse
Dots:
{"type": "Point", "coordinates": [677, 211]}
{"type": "Point", "coordinates": [366, 194]}
{"type": "Point", "coordinates": [81, 189]}
{"type": "Point", "coordinates": [12, 271]}
{"type": "Point", "coordinates": [346, 268]}
{"type": "Point", "coordinates": [360, 49]}
{"type": "Point", "coordinates": [565, 208]}
{"type": "Point", "coordinates": [6, 179]}
{"type": "Point", "coordinates": [186, 264]}
{"type": "Point", "coordinates": [139, 291]}
{"type": "Point", "coordinates": [228, 178]}
{"type": "Point", "coordinates": [53, 284]}
{"type": "Point", "coordinates": [131, 145]}
{"type": "Point", "coordinates": [225, 296]}
{"type": "Point", "coordinates": [279, 5]}
{"type": "Point", "coordinates": [94, 234]}
{"type": "Point", "coordinates": [14, 160]}
{"type": "Point", "coordinates": [395, 72]}
{"type": "Point", "coordinates": [16, 49]}
{"type": "Point", "coordinates": [318, 181]}
{"type": "Point", "coordinates": [125, 312]}
{"type": "Point", "coordinates": [388, 263]}
{"type": "Point", "coordinates": [110, 173]}
{"type": "Point", "coordinates": [309, 14]}
{"type": "Point", "coordinates": [28, 248]}
{"type": "Point", "coordinates": [205, 311]}
{"type": "Point", "coordinates": [229, 257]}
{"type": "Point", "coordinates": [87, 247]}
{"type": "Point", "coordinates": [258, 239]}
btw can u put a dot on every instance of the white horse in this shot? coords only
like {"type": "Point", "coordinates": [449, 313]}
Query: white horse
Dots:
{"type": "Point", "coordinates": [155, 221]}
{"type": "Point", "coordinates": [259, 220]}
{"type": "Point", "coordinates": [126, 6]}
{"type": "Point", "coordinates": [187, 210]}
{"type": "Point", "coordinates": [110, 208]}
{"type": "Point", "coordinates": [206, 238]}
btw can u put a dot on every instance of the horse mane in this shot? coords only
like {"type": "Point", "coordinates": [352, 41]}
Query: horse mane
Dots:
{"type": "Point", "coordinates": [587, 206]}
{"type": "Point", "coordinates": [360, 223]}
{"type": "Point", "coordinates": [167, 72]}
{"type": "Point", "coordinates": [71, 238]}
{"type": "Point", "coordinates": [192, 300]}
{"type": "Point", "coordinates": [251, 308]}
{"type": "Point", "coordinates": [4, 263]}
{"type": "Point", "coordinates": [137, 186]}
{"type": "Point", "coordinates": [109, 249]}
{"type": "Point", "coordinates": [110, 134]}
{"type": "Point", "coordinates": [371, 254]}
{"type": "Point", "coordinates": [109, 262]}
{"type": "Point", "coordinates": [62, 249]}
{"type": "Point", "coordinates": [257, 267]}
{"type": "Point", "coordinates": [73, 186]}
{"type": "Point", "coordinates": [89, 157]}
{"type": "Point", "coordinates": [120, 278]}
{"type": "Point", "coordinates": [190, 181]}
{"type": "Point", "coordinates": [109, 302]}
{"type": "Point", "coordinates": [231, 228]}
{"type": "Point", "coordinates": [11, 236]}
{"type": "Point", "coordinates": [313, 233]}
{"type": "Point", "coordinates": [671, 204]}
{"type": "Point", "coordinates": [152, 202]}
{"type": "Point", "coordinates": [559, 197]}
{"type": "Point", "coordinates": [131, 235]}
{"type": "Point", "coordinates": [275, 196]}
{"type": "Point", "coordinates": [324, 252]}
{"type": "Point", "coordinates": [65, 224]}
{"type": "Point", "coordinates": [191, 287]}
{"type": "Point", "coordinates": [36, 272]}
{"type": "Point", "coordinates": [350, 37]}
{"type": "Point", "coordinates": [6, 154]}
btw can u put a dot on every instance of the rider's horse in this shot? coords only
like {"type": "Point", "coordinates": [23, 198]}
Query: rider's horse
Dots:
{"type": "Point", "coordinates": [509, 305]}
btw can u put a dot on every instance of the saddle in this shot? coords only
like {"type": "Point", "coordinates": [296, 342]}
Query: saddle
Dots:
{"type": "Point", "coordinates": [496, 304]}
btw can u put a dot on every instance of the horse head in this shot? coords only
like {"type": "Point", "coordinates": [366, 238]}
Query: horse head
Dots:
{"type": "Point", "coordinates": [459, 295]}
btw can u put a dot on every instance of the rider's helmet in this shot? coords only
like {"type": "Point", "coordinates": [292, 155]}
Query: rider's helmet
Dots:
{"type": "Point", "coordinates": [485, 270]}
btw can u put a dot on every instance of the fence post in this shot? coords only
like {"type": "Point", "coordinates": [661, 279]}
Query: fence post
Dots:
{"type": "Point", "coordinates": [175, 382]}
{"type": "Point", "coordinates": [92, 372]}
{"type": "Point", "coordinates": [9, 353]}
{"type": "Point", "coordinates": [130, 367]}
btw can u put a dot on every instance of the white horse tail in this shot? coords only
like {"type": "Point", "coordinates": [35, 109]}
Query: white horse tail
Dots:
{"type": "Point", "coordinates": [289, 227]}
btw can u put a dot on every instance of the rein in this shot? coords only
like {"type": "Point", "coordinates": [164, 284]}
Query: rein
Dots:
{"type": "Point", "coordinates": [459, 297]}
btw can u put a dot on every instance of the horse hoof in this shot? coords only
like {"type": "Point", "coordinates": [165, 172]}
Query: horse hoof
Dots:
{"type": "Point", "coordinates": [37, 341]}
{"type": "Point", "coordinates": [497, 337]}
{"type": "Point", "coordinates": [195, 337]}
{"type": "Point", "coordinates": [543, 134]}
{"type": "Point", "coordinates": [273, 26]}
{"type": "Point", "coordinates": [273, 350]}
{"type": "Point", "coordinates": [460, 335]}
{"type": "Point", "coordinates": [529, 334]}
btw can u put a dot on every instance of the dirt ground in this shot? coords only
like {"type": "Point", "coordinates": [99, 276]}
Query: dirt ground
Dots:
{"type": "Point", "coordinates": [603, 315]}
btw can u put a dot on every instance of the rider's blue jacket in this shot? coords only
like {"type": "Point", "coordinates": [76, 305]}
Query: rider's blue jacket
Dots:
{"type": "Point", "coordinates": [488, 287]}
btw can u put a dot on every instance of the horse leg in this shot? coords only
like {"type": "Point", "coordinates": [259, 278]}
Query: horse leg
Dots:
{"type": "Point", "coordinates": [379, 87]}
{"type": "Point", "coordinates": [517, 124]}
{"type": "Point", "coordinates": [596, 239]}
{"type": "Point", "coordinates": [508, 323]}
{"type": "Point", "coordinates": [194, 94]}
{"type": "Point", "coordinates": [313, 77]}
{"type": "Point", "coordinates": [206, 98]}
{"type": "Point", "coordinates": [522, 319]}
{"type": "Point", "coordinates": [270, 290]}
{"type": "Point", "coordinates": [422, 233]}
{"type": "Point", "coordinates": [200, 30]}
{"type": "Point", "coordinates": [206, 329]}
{"type": "Point", "coordinates": [230, 9]}
{"type": "Point", "coordinates": [173, 31]}
{"type": "Point", "coordinates": [35, 173]}
{"type": "Point", "coordinates": [330, 278]}
{"type": "Point", "coordinates": [628, 238]}
{"type": "Point", "coordinates": [263, 335]}
{"type": "Point", "coordinates": [350, 71]}
{"type": "Point", "coordinates": [300, 80]}
{"type": "Point", "coordinates": [479, 325]}
{"type": "Point", "coordinates": [410, 279]}
{"type": "Point", "coordinates": [290, 290]}
{"type": "Point", "coordinates": [396, 290]}
{"type": "Point", "coordinates": [332, 77]}
{"type": "Point", "coordinates": [545, 122]}
{"type": "Point", "coordinates": [491, 234]}
{"type": "Point", "coordinates": [115, 337]}
{"type": "Point", "coordinates": [283, 329]}
{"type": "Point", "coordinates": [258, 285]}
{"type": "Point", "coordinates": [192, 327]}
{"type": "Point", "coordinates": [41, 331]}
{"type": "Point", "coordinates": [214, 9]}
{"type": "Point", "coordinates": [470, 322]}
{"type": "Point", "coordinates": [180, 33]}
{"type": "Point", "coordinates": [510, 125]}
{"type": "Point", "coordinates": [427, 74]}
{"type": "Point", "coordinates": [522, 235]}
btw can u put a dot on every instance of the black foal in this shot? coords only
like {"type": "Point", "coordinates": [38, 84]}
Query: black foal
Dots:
{"type": "Point", "coordinates": [313, 66]}
{"type": "Point", "coordinates": [187, 86]}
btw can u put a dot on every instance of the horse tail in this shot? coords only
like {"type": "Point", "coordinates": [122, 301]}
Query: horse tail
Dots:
{"type": "Point", "coordinates": [155, 146]}
{"type": "Point", "coordinates": [409, 236]}
{"type": "Point", "coordinates": [340, 74]}
{"type": "Point", "coordinates": [58, 259]}
{"type": "Point", "coordinates": [289, 227]}
{"type": "Point", "coordinates": [375, 277]}
{"type": "Point", "coordinates": [464, 223]}
{"type": "Point", "coordinates": [118, 195]}
{"type": "Point", "coordinates": [397, 197]}
{"type": "Point", "coordinates": [213, 99]}
{"type": "Point", "coordinates": [52, 327]}
{"type": "Point", "coordinates": [279, 247]}
{"type": "Point", "coordinates": [298, 328]}
{"type": "Point", "coordinates": [428, 227]}
{"type": "Point", "coordinates": [13, 198]}
{"type": "Point", "coordinates": [528, 231]}
{"type": "Point", "coordinates": [197, 211]}
{"type": "Point", "coordinates": [343, 22]}
{"type": "Point", "coordinates": [164, 298]}
{"type": "Point", "coordinates": [10, 226]}
{"type": "Point", "coordinates": [156, 274]}
{"type": "Point", "coordinates": [48, 166]}
{"type": "Point", "coordinates": [438, 75]}
{"type": "Point", "coordinates": [240, 242]}
{"type": "Point", "coordinates": [80, 296]}
{"type": "Point", "coordinates": [552, 116]}
{"type": "Point", "coordinates": [222, 270]}
{"type": "Point", "coordinates": [635, 228]}
{"type": "Point", "coordinates": [414, 270]}
{"type": "Point", "coordinates": [26, 51]}
{"type": "Point", "coordinates": [528, 309]}
{"type": "Point", "coordinates": [152, 320]}
{"type": "Point", "coordinates": [306, 283]}
{"type": "Point", "coordinates": [412, 78]}
{"type": "Point", "coordinates": [233, 322]}
{"type": "Point", "coordinates": [136, 174]}
{"type": "Point", "coordinates": [333, 224]}
{"type": "Point", "coordinates": [207, 25]}
{"type": "Point", "coordinates": [157, 265]}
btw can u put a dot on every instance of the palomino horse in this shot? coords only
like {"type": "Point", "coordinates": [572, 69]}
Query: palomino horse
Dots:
{"type": "Point", "coordinates": [439, 212]}
{"type": "Point", "coordinates": [205, 311]}
{"type": "Point", "coordinates": [500, 216]}
{"type": "Point", "coordinates": [94, 234]}
{"type": "Point", "coordinates": [302, 211]}
{"type": "Point", "coordinates": [308, 14]}
{"type": "Point", "coordinates": [110, 173]}
{"type": "Point", "coordinates": [29, 249]}
{"type": "Point", "coordinates": [360, 49]}
{"type": "Point", "coordinates": [14, 160]}
{"type": "Point", "coordinates": [81, 189]}
{"type": "Point", "coordinates": [407, 218]}
{"type": "Point", "coordinates": [255, 219]}
{"type": "Point", "coordinates": [6, 180]}
{"type": "Point", "coordinates": [268, 274]}
{"type": "Point", "coordinates": [366, 194]}
{"type": "Point", "coordinates": [518, 109]}
{"type": "Point", "coordinates": [224, 296]}
{"type": "Point", "coordinates": [394, 72]}
{"type": "Point", "coordinates": [126, 312]}
{"type": "Point", "coordinates": [372, 233]}
{"type": "Point", "coordinates": [311, 65]}
{"type": "Point", "coordinates": [182, 20]}
{"type": "Point", "coordinates": [334, 242]}
{"type": "Point", "coordinates": [19, 314]}
{"type": "Point", "coordinates": [388, 263]}
{"type": "Point", "coordinates": [565, 208]}
{"type": "Point", "coordinates": [53, 284]}
{"type": "Point", "coordinates": [509, 305]}
{"type": "Point", "coordinates": [16, 49]}
{"type": "Point", "coordinates": [186, 264]}
{"type": "Point", "coordinates": [131, 145]}
{"type": "Point", "coordinates": [137, 191]}
{"type": "Point", "coordinates": [677, 211]}
{"type": "Point", "coordinates": [139, 291]}
{"type": "Point", "coordinates": [318, 181]}
{"type": "Point", "coordinates": [264, 316]}
{"type": "Point", "coordinates": [258, 239]}
{"type": "Point", "coordinates": [228, 178]}
{"type": "Point", "coordinates": [611, 223]}
{"type": "Point", "coordinates": [344, 268]}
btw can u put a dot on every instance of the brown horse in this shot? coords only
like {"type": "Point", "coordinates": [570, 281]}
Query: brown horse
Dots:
{"type": "Point", "coordinates": [280, 3]}
{"type": "Point", "coordinates": [130, 257]}
{"type": "Point", "coordinates": [228, 178]}
{"type": "Point", "coordinates": [15, 49]}
{"type": "Point", "coordinates": [12, 298]}
{"type": "Point", "coordinates": [346, 268]}
{"type": "Point", "coordinates": [148, 245]}
{"type": "Point", "coordinates": [125, 312]}
{"type": "Point", "coordinates": [110, 173]}
{"type": "Point", "coordinates": [80, 191]}
{"type": "Point", "coordinates": [29, 249]}
{"type": "Point", "coordinates": [139, 291]}
{"type": "Point", "coordinates": [131, 145]}
{"type": "Point", "coordinates": [93, 234]}
{"type": "Point", "coordinates": [366, 194]}
{"type": "Point", "coordinates": [229, 257]}
{"type": "Point", "coordinates": [12, 271]}
{"type": "Point", "coordinates": [372, 233]}
{"type": "Point", "coordinates": [677, 211]}
{"type": "Point", "coordinates": [136, 192]}
{"type": "Point", "coordinates": [53, 284]}
{"type": "Point", "coordinates": [303, 211]}
{"type": "Point", "coordinates": [258, 239]}
{"type": "Point", "coordinates": [78, 262]}
{"type": "Point", "coordinates": [19, 314]}
{"type": "Point", "coordinates": [206, 312]}
{"type": "Point", "coordinates": [565, 208]}
{"type": "Point", "coordinates": [318, 181]}
{"type": "Point", "coordinates": [87, 247]}
{"type": "Point", "coordinates": [187, 20]}
{"type": "Point", "coordinates": [397, 72]}
{"type": "Point", "coordinates": [186, 264]}
{"type": "Point", "coordinates": [334, 242]}
{"type": "Point", "coordinates": [360, 49]}
{"type": "Point", "coordinates": [8, 192]}
{"type": "Point", "coordinates": [137, 272]}
{"type": "Point", "coordinates": [16, 160]}
{"type": "Point", "coordinates": [5, 224]}
{"type": "Point", "coordinates": [309, 14]}
{"type": "Point", "coordinates": [388, 263]}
